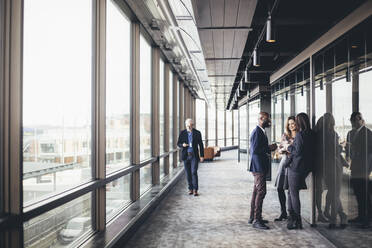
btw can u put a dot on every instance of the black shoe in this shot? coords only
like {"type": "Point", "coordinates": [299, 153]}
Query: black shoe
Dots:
{"type": "Point", "coordinates": [250, 221]}
{"type": "Point", "coordinates": [191, 192]}
{"type": "Point", "coordinates": [327, 215]}
{"type": "Point", "coordinates": [343, 222]}
{"type": "Point", "coordinates": [260, 225]}
{"type": "Point", "coordinates": [282, 217]}
{"type": "Point", "coordinates": [294, 222]}
{"type": "Point", "coordinates": [322, 218]}
{"type": "Point", "coordinates": [332, 226]}
{"type": "Point", "coordinates": [356, 220]}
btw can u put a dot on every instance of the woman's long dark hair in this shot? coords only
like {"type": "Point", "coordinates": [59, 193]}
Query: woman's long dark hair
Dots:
{"type": "Point", "coordinates": [303, 122]}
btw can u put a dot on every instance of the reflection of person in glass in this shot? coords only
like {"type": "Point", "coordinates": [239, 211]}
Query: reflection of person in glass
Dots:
{"type": "Point", "coordinates": [287, 140]}
{"type": "Point", "coordinates": [189, 140]}
{"type": "Point", "coordinates": [319, 167]}
{"type": "Point", "coordinates": [299, 164]}
{"type": "Point", "coordinates": [360, 153]}
{"type": "Point", "coordinates": [333, 170]}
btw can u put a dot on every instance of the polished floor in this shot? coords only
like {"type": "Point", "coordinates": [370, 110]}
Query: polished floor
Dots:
{"type": "Point", "coordinates": [218, 217]}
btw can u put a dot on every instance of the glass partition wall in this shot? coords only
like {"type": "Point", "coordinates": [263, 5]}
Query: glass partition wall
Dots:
{"type": "Point", "coordinates": [341, 177]}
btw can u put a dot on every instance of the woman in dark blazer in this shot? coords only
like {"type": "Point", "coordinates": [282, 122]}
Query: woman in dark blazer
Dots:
{"type": "Point", "coordinates": [301, 155]}
{"type": "Point", "coordinates": [287, 140]}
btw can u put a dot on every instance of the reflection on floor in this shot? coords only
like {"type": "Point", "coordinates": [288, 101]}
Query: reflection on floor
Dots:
{"type": "Point", "coordinates": [218, 217]}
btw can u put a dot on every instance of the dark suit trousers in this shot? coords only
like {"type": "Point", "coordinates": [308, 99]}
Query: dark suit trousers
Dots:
{"type": "Point", "coordinates": [191, 168]}
{"type": "Point", "coordinates": [294, 185]}
{"type": "Point", "coordinates": [362, 194]}
{"type": "Point", "coordinates": [259, 192]}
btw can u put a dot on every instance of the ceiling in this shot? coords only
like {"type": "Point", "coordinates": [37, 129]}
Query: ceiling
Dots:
{"type": "Point", "coordinates": [296, 24]}
{"type": "Point", "coordinates": [223, 27]}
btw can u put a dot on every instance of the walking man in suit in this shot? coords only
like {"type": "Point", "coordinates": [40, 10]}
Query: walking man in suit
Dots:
{"type": "Point", "coordinates": [260, 164]}
{"type": "Point", "coordinates": [189, 140]}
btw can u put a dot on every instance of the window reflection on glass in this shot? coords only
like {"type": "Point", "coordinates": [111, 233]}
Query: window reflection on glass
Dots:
{"type": "Point", "coordinates": [161, 106]}
{"type": "Point", "coordinates": [212, 125]}
{"type": "Point", "coordinates": [162, 168]}
{"type": "Point", "coordinates": [320, 102]}
{"type": "Point", "coordinates": [171, 165]}
{"type": "Point", "coordinates": [145, 96]}
{"type": "Point", "coordinates": [171, 143]}
{"type": "Point", "coordinates": [145, 178]}
{"type": "Point", "coordinates": [57, 108]}
{"type": "Point", "coordinates": [243, 127]}
{"type": "Point", "coordinates": [342, 107]}
{"type": "Point", "coordinates": [117, 89]}
{"type": "Point", "coordinates": [60, 227]}
{"type": "Point", "coordinates": [117, 196]}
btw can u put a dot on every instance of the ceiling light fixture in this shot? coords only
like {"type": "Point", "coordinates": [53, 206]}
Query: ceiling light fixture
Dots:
{"type": "Point", "coordinates": [256, 58]}
{"type": "Point", "coordinates": [269, 32]}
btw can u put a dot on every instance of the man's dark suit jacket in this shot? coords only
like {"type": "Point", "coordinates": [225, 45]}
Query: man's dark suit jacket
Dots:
{"type": "Point", "coordinates": [196, 143]}
{"type": "Point", "coordinates": [361, 153]}
{"type": "Point", "coordinates": [259, 151]}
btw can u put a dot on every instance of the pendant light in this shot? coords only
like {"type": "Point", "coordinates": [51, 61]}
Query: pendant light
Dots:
{"type": "Point", "coordinates": [270, 34]}
{"type": "Point", "coordinates": [256, 58]}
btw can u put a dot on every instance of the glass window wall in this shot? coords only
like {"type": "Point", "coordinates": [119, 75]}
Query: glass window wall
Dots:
{"type": "Point", "coordinates": [117, 89]}
{"type": "Point", "coordinates": [161, 107]}
{"type": "Point", "coordinates": [171, 118]}
{"type": "Point", "coordinates": [221, 128]}
{"type": "Point", "coordinates": [60, 227]}
{"type": "Point", "coordinates": [57, 89]}
{"type": "Point", "coordinates": [211, 125]}
{"type": "Point", "coordinates": [117, 196]}
{"type": "Point", "coordinates": [145, 178]}
{"type": "Point", "coordinates": [145, 96]}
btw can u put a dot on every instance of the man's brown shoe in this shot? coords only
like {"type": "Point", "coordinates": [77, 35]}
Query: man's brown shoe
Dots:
{"type": "Point", "coordinates": [191, 192]}
{"type": "Point", "coordinates": [196, 193]}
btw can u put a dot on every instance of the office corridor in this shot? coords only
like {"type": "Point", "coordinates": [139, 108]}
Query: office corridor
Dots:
{"type": "Point", "coordinates": [219, 216]}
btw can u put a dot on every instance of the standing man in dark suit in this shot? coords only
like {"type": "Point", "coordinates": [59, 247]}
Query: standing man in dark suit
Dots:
{"type": "Point", "coordinates": [260, 164]}
{"type": "Point", "coordinates": [360, 154]}
{"type": "Point", "coordinates": [189, 140]}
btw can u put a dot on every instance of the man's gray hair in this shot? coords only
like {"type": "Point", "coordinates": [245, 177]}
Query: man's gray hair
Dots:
{"type": "Point", "coordinates": [187, 121]}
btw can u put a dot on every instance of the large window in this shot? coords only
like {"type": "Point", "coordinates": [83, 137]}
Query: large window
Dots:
{"type": "Point", "coordinates": [145, 96]}
{"type": "Point", "coordinates": [117, 89]}
{"type": "Point", "coordinates": [229, 128]}
{"type": "Point", "coordinates": [171, 142]}
{"type": "Point", "coordinates": [301, 100]}
{"type": "Point", "coordinates": [161, 107]}
{"type": "Point", "coordinates": [117, 196]}
{"type": "Point", "coordinates": [278, 121]}
{"type": "Point", "coordinates": [145, 178]}
{"type": "Point", "coordinates": [236, 126]}
{"type": "Point", "coordinates": [60, 227]}
{"type": "Point", "coordinates": [221, 128]}
{"type": "Point", "coordinates": [57, 105]}
{"type": "Point", "coordinates": [254, 110]}
{"type": "Point", "coordinates": [200, 116]}
{"type": "Point", "coordinates": [243, 137]}
{"type": "Point", "coordinates": [212, 125]}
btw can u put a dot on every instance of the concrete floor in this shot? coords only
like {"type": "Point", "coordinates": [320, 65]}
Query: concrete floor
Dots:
{"type": "Point", "coordinates": [219, 216]}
